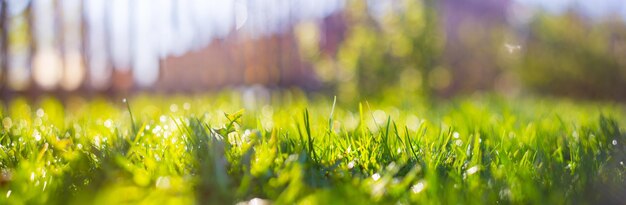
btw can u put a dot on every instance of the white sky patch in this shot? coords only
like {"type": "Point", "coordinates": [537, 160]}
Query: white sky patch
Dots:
{"type": "Point", "coordinates": [241, 14]}
{"type": "Point", "coordinates": [119, 32]}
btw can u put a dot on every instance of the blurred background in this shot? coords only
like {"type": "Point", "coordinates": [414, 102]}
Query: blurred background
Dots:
{"type": "Point", "coordinates": [351, 48]}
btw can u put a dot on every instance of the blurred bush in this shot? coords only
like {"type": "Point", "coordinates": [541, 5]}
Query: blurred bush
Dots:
{"type": "Point", "coordinates": [408, 48]}
{"type": "Point", "coordinates": [569, 55]}
{"type": "Point", "coordinates": [397, 48]}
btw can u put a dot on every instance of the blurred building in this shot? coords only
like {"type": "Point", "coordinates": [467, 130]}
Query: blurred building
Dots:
{"type": "Point", "coordinates": [273, 61]}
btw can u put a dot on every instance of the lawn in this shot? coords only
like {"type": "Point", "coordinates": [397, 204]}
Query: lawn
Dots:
{"type": "Point", "coordinates": [289, 148]}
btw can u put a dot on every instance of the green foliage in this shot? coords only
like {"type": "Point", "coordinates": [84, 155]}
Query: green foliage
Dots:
{"type": "Point", "coordinates": [567, 55]}
{"type": "Point", "coordinates": [479, 150]}
{"type": "Point", "coordinates": [397, 49]}
{"type": "Point", "coordinates": [562, 55]}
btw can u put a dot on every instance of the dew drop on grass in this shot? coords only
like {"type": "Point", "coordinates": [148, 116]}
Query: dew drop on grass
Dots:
{"type": "Point", "coordinates": [173, 108]}
{"type": "Point", "coordinates": [458, 142]}
{"type": "Point", "coordinates": [291, 158]}
{"type": "Point", "coordinates": [376, 177]}
{"type": "Point", "coordinates": [96, 141]}
{"type": "Point", "coordinates": [417, 188]}
{"type": "Point", "coordinates": [614, 142]}
{"type": "Point", "coordinates": [32, 176]}
{"type": "Point", "coordinates": [455, 135]}
{"type": "Point", "coordinates": [36, 135]}
{"type": "Point", "coordinates": [472, 170]}
{"type": "Point", "coordinates": [255, 201]}
{"type": "Point", "coordinates": [350, 164]}
{"type": "Point", "coordinates": [163, 183]}
{"type": "Point", "coordinates": [108, 123]}
{"type": "Point", "coordinates": [156, 129]}
{"type": "Point", "coordinates": [8, 193]}
{"type": "Point", "coordinates": [40, 112]}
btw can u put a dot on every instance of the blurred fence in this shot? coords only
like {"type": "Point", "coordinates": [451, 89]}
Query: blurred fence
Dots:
{"type": "Point", "coordinates": [355, 47]}
{"type": "Point", "coordinates": [118, 45]}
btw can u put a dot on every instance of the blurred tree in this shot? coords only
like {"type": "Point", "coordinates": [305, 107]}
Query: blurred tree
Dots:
{"type": "Point", "coordinates": [567, 55]}
{"type": "Point", "coordinates": [396, 49]}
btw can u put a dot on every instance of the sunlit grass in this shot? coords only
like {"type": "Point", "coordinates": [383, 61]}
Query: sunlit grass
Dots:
{"type": "Point", "coordinates": [286, 149]}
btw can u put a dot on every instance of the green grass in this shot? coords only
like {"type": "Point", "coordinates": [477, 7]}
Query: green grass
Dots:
{"type": "Point", "coordinates": [208, 149]}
